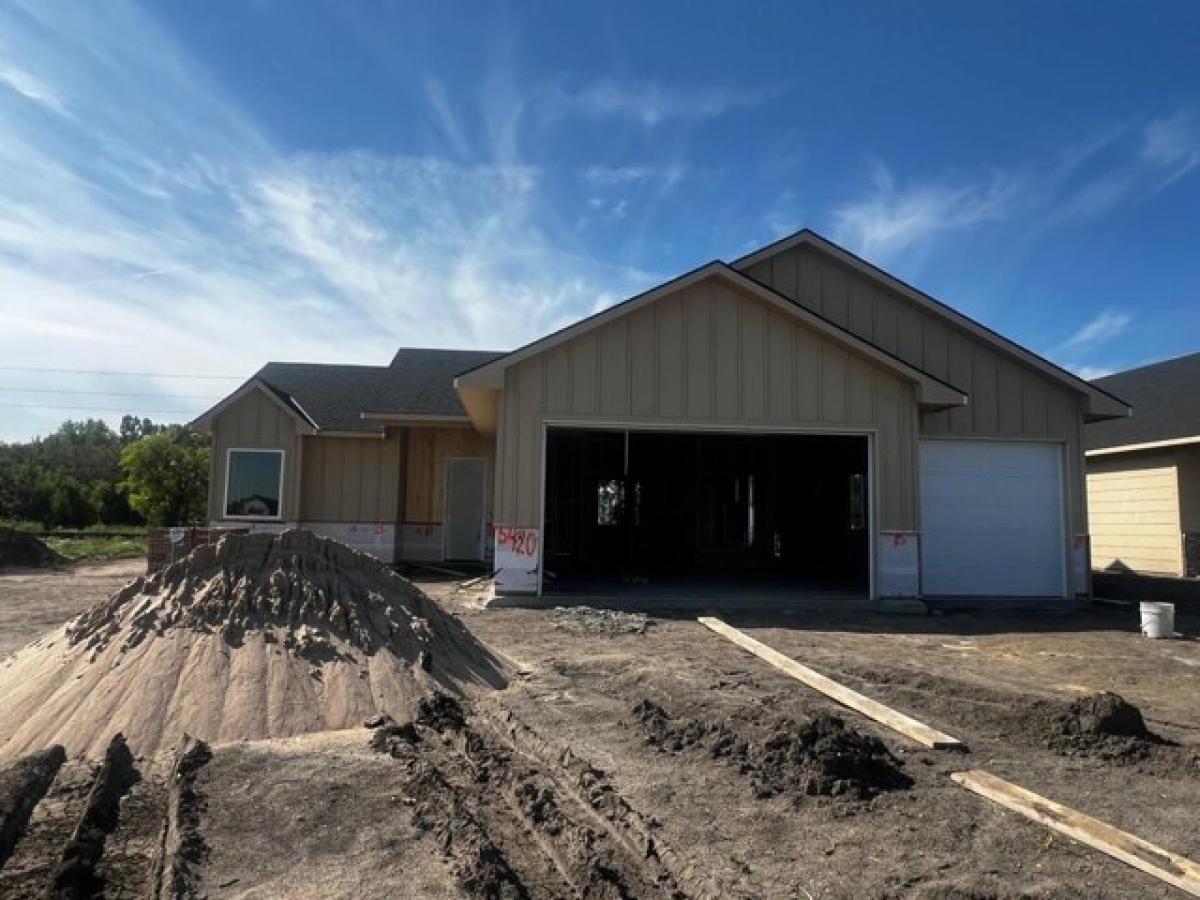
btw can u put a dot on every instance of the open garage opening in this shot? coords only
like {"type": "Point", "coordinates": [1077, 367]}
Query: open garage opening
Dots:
{"type": "Point", "coordinates": [669, 508]}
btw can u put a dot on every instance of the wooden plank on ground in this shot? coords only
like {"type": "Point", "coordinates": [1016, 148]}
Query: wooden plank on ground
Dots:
{"type": "Point", "coordinates": [872, 709]}
{"type": "Point", "coordinates": [1162, 864]}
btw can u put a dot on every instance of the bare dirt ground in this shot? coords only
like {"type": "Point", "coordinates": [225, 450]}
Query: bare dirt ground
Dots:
{"type": "Point", "coordinates": [640, 755]}
{"type": "Point", "coordinates": [34, 601]}
{"type": "Point", "coordinates": [977, 677]}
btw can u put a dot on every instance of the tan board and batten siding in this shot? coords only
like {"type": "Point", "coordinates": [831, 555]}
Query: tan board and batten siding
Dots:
{"type": "Point", "coordinates": [1134, 513]}
{"type": "Point", "coordinates": [351, 479]}
{"type": "Point", "coordinates": [346, 479]}
{"type": "Point", "coordinates": [1008, 401]}
{"type": "Point", "coordinates": [708, 355]}
{"type": "Point", "coordinates": [258, 422]}
{"type": "Point", "coordinates": [428, 450]}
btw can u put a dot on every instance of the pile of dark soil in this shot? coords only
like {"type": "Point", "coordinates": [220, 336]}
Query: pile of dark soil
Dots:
{"type": "Point", "coordinates": [21, 550]}
{"type": "Point", "coordinates": [826, 756]}
{"type": "Point", "coordinates": [822, 756]}
{"type": "Point", "coordinates": [674, 737]}
{"type": "Point", "coordinates": [1103, 725]}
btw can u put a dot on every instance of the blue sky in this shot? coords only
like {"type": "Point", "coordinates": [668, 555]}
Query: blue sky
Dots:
{"type": "Point", "coordinates": [192, 188]}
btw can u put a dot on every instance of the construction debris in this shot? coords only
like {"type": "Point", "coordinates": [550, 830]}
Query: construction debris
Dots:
{"type": "Point", "coordinates": [587, 620]}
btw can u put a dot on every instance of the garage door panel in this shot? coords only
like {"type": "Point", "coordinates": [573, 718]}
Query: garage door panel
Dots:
{"type": "Point", "coordinates": [992, 518]}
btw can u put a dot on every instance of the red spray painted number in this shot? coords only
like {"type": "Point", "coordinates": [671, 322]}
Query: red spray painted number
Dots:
{"type": "Point", "coordinates": [517, 541]}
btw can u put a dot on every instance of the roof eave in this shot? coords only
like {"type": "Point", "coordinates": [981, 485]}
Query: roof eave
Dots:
{"type": "Point", "coordinates": [933, 392]}
{"type": "Point", "coordinates": [1101, 404]}
{"type": "Point", "coordinates": [402, 418]}
{"type": "Point", "coordinates": [1164, 444]}
{"type": "Point", "coordinates": [203, 422]}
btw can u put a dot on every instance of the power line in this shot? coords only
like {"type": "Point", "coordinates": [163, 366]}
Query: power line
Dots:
{"type": "Point", "coordinates": [21, 390]}
{"type": "Point", "coordinates": [114, 372]}
{"type": "Point", "coordinates": [115, 409]}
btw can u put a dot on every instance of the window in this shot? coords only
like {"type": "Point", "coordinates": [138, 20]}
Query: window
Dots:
{"type": "Point", "coordinates": [253, 484]}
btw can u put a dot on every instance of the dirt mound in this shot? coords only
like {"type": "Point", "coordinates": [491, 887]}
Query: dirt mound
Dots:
{"type": "Point", "coordinates": [255, 636]}
{"type": "Point", "coordinates": [21, 550]}
{"type": "Point", "coordinates": [1104, 725]}
{"type": "Point", "coordinates": [822, 756]}
{"type": "Point", "coordinates": [826, 756]}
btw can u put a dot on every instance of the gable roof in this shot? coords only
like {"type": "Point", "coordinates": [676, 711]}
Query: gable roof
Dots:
{"type": "Point", "coordinates": [1167, 398]}
{"type": "Point", "coordinates": [1101, 403]}
{"type": "Point", "coordinates": [932, 390]}
{"type": "Point", "coordinates": [418, 383]}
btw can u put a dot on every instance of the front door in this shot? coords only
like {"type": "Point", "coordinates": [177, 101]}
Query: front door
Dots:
{"type": "Point", "coordinates": [465, 486]}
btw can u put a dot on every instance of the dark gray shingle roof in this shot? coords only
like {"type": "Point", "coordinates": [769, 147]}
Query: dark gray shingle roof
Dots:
{"type": "Point", "coordinates": [1166, 404]}
{"type": "Point", "coordinates": [333, 397]}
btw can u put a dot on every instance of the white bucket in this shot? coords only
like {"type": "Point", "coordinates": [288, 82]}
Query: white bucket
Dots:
{"type": "Point", "coordinates": [1158, 620]}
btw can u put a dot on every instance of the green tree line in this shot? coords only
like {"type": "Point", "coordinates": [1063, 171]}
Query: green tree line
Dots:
{"type": "Point", "coordinates": [86, 474]}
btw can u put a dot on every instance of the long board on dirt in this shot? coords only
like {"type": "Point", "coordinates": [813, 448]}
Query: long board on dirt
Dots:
{"type": "Point", "coordinates": [872, 709]}
{"type": "Point", "coordinates": [1162, 864]}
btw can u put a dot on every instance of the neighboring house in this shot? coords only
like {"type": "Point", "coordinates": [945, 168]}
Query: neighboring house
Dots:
{"type": "Point", "coordinates": [798, 415]}
{"type": "Point", "coordinates": [1143, 474]}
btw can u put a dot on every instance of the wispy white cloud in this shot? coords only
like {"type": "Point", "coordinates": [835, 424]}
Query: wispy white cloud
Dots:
{"type": "Point", "coordinates": [668, 176]}
{"type": "Point", "coordinates": [31, 88]}
{"type": "Point", "coordinates": [1090, 373]}
{"type": "Point", "coordinates": [439, 103]}
{"type": "Point", "coordinates": [1083, 181]}
{"type": "Point", "coordinates": [1174, 144]}
{"type": "Point", "coordinates": [1104, 326]}
{"type": "Point", "coordinates": [167, 234]}
{"type": "Point", "coordinates": [652, 103]}
{"type": "Point", "coordinates": [893, 218]}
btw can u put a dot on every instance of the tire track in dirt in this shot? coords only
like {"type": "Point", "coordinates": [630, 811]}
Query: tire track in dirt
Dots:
{"type": "Point", "coordinates": [518, 818]}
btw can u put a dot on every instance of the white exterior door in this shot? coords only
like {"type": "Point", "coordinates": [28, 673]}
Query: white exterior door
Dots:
{"type": "Point", "coordinates": [465, 486]}
{"type": "Point", "coordinates": [992, 519]}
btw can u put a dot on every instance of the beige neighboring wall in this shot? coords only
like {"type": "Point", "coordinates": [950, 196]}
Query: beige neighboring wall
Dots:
{"type": "Point", "coordinates": [1008, 400]}
{"type": "Point", "coordinates": [709, 355]}
{"type": "Point", "coordinates": [1134, 512]}
{"type": "Point", "coordinates": [349, 479]}
{"type": "Point", "coordinates": [428, 448]}
{"type": "Point", "coordinates": [255, 421]}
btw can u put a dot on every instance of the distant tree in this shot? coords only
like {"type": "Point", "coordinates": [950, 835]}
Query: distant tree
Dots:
{"type": "Point", "coordinates": [111, 503]}
{"type": "Point", "coordinates": [69, 504]}
{"type": "Point", "coordinates": [133, 428]}
{"type": "Point", "coordinates": [166, 476]}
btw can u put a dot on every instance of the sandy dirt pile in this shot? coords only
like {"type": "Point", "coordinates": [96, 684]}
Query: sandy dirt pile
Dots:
{"type": "Point", "coordinates": [820, 756]}
{"type": "Point", "coordinates": [21, 550]}
{"type": "Point", "coordinates": [256, 636]}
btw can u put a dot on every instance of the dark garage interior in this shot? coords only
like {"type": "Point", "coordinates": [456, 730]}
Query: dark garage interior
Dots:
{"type": "Point", "coordinates": [647, 506]}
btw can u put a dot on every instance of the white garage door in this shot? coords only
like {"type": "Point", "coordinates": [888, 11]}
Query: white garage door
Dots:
{"type": "Point", "coordinates": [992, 519]}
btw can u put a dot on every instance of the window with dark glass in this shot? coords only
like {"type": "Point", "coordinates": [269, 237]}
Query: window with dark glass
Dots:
{"type": "Point", "coordinates": [253, 487]}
